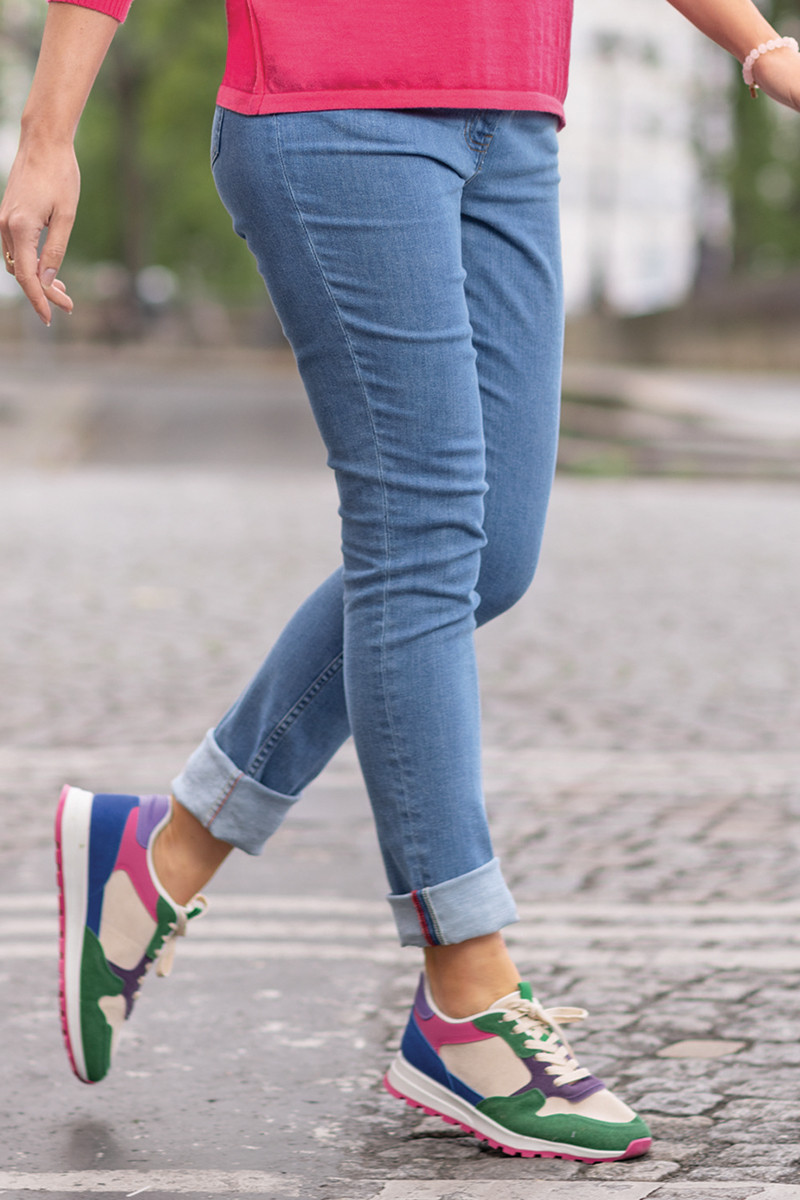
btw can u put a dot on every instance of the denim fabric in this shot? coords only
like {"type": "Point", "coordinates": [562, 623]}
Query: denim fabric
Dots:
{"type": "Point", "coordinates": [413, 258]}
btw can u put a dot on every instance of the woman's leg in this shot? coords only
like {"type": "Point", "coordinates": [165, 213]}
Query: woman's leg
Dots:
{"type": "Point", "coordinates": [510, 252]}
{"type": "Point", "coordinates": [274, 739]}
{"type": "Point", "coordinates": [358, 233]}
{"type": "Point", "coordinates": [355, 219]}
{"type": "Point", "coordinates": [512, 258]}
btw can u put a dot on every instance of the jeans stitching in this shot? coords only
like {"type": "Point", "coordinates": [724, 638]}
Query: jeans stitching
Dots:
{"type": "Point", "coordinates": [376, 444]}
{"type": "Point", "coordinates": [225, 798]}
{"type": "Point", "coordinates": [289, 718]}
{"type": "Point", "coordinates": [216, 136]}
{"type": "Point", "coordinates": [480, 144]}
{"type": "Point", "coordinates": [474, 140]}
{"type": "Point", "coordinates": [437, 930]}
{"type": "Point", "coordinates": [420, 908]}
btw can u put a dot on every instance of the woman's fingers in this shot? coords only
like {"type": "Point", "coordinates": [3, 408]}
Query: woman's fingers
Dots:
{"type": "Point", "coordinates": [57, 294]}
{"type": "Point", "coordinates": [26, 272]}
{"type": "Point", "coordinates": [51, 258]}
{"type": "Point", "coordinates": [55, 245]}
{"type": "Point", "coordinates": [40, 291]}
{"type": "Point", "coordinates": [20, 234]}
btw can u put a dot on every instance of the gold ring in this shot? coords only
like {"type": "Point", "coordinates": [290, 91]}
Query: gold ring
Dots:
{"type": "Point", "coordinates": [9, 259]}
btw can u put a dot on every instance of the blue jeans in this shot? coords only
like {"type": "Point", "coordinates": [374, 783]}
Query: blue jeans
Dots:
{"type": "Point", "coordinates": [413, 258]}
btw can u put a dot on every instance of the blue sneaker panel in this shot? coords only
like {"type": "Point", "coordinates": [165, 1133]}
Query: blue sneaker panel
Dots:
{"type": "Point", "coordinates": [109, 816]}
{"type": "Point", "coordinates": [418, 1052]}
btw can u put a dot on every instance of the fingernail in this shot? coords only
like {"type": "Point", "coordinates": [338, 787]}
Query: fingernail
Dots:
{"type": "Point", "coordinates": [48, 277]}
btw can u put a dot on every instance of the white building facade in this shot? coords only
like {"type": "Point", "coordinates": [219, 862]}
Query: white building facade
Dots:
{"type": "Point", "coordinates": [636, 204]}
{"type": "Point", "coordinates": [647, 108]}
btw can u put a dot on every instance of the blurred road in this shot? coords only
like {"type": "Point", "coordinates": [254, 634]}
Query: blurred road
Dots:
{"type": "Point", "coordinates": [160, 522]}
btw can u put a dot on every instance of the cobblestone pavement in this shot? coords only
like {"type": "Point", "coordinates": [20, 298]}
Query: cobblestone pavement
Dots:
{"type": "Point", "coordinates": [643, 776]}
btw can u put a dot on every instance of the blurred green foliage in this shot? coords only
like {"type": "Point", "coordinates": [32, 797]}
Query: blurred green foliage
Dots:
{"type": "Point", "coordinates": [143, 144]}
{"type": "Point", "coordinates": [764, 171]}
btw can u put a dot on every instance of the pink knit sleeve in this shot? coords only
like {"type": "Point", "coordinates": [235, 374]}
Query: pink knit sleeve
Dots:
{"type": "Point", "coordinates": [114, 8]}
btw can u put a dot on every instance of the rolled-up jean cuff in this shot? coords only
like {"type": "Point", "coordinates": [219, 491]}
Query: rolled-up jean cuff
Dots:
{"type": "Point", "coordinates": [230, 804]}
{"type": "Point", "coordinates": [468, 906]}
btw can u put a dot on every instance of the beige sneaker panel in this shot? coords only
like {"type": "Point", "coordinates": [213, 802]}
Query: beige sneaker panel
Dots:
{"type": "Point", "coordinates": [125, 941]}
{"type": "Point", "coordinates": [113, 1009]}
{"type": "Point", "coordinates": [490, 1067]}
{"type": "Point", "coordinates": [600, 1106]}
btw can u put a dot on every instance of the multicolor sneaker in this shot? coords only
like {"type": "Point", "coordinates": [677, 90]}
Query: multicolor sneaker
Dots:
{"type": "Point", "coordinates": [116, 919]}
{"type": "Point", "coordinates": [509, 1076]}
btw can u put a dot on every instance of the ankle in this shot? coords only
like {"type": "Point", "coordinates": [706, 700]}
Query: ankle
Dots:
{"type": "Point", "coordinates": [186, 855]}
{"type": "Point", "coordinates": [470, 976]}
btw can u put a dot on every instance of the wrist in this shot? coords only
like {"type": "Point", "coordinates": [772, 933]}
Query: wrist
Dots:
{"type": "Point", "coordinates": [752, 63]}
{"type": "Point", "coordinates": [754, 38]}
{"type": "Point", "coordinates": [45, 130]}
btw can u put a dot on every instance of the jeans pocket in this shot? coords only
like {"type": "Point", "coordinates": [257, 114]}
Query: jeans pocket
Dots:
{"type": "Point", "coordinates": [216, 134]}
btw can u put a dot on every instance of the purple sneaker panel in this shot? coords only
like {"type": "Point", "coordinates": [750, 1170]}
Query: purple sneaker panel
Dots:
{"type": "Point", "coordinates": [546, 1083]}
{"type": "Point", "coordinates": [130, 978]}
{"type": "Point", "coordinates": [152, 810]}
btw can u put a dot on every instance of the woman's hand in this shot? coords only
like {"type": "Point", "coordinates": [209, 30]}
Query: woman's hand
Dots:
{"type": "Point", "coordinates": [777, 74]}
{"type": "Point", "coordinates": [42, 193]}
{"type": "Point", "coordinates": [44, 183]}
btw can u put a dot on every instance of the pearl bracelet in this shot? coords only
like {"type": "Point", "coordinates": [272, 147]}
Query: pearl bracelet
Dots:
{"type": "Point", "coordinates": [764, 48]}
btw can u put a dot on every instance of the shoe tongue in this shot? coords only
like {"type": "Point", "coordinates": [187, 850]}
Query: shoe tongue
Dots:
{"type": "Point", "coordinates": [525, 990]}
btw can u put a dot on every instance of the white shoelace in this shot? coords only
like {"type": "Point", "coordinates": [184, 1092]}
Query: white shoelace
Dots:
{"type": "Point", "coordinates": [541, 1027]}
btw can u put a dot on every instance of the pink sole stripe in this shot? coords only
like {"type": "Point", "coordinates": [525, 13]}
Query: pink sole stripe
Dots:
{"type": "Point", "coordinates": [641, 1146]}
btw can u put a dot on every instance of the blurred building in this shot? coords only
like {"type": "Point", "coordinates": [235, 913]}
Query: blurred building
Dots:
{"type": "Point", "coordinates": [648, 122]}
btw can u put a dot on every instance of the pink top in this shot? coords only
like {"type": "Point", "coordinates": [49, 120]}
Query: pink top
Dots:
{"type": "Point", "coordinates": [302, 55]}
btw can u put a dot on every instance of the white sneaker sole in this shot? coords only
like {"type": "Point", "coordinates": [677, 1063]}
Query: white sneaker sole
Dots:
{"type": "Point", "coordinates": [73, 821]}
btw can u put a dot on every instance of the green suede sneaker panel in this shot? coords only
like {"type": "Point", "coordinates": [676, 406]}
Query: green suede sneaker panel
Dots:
{"type": "Point", "coordinates": [520, 1114]}
{"type": "Point", "coordinates": [97, 980]}
{"type": "Point", "coordinates": [166, 917]}
{"type": "Point", "coordinates": [493, 1023]}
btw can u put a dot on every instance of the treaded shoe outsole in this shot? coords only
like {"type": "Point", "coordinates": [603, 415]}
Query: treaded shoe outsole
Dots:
{"type": "Point", "coordinates": [420, 1091]}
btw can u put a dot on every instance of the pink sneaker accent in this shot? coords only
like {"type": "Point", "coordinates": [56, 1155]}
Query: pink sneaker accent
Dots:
{"type": "Point", "coordinates": [440, 1033]}
{"type": "Point", "coordinates": [132, 858]}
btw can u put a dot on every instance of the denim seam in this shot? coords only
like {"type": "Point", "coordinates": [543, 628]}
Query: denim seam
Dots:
{"type": "Point", "coordinates": [386, 527]}
{"type": "Point", "coordinates": [420, 908]}
{"type": "Point", "coordinates": [288, 719]}
{"type": "Point", "coordinates": [216, 143]}
{"type": "Point", "coordinates": [431, 911]}
{"type": "Point", "coordinates": [225, 798]}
